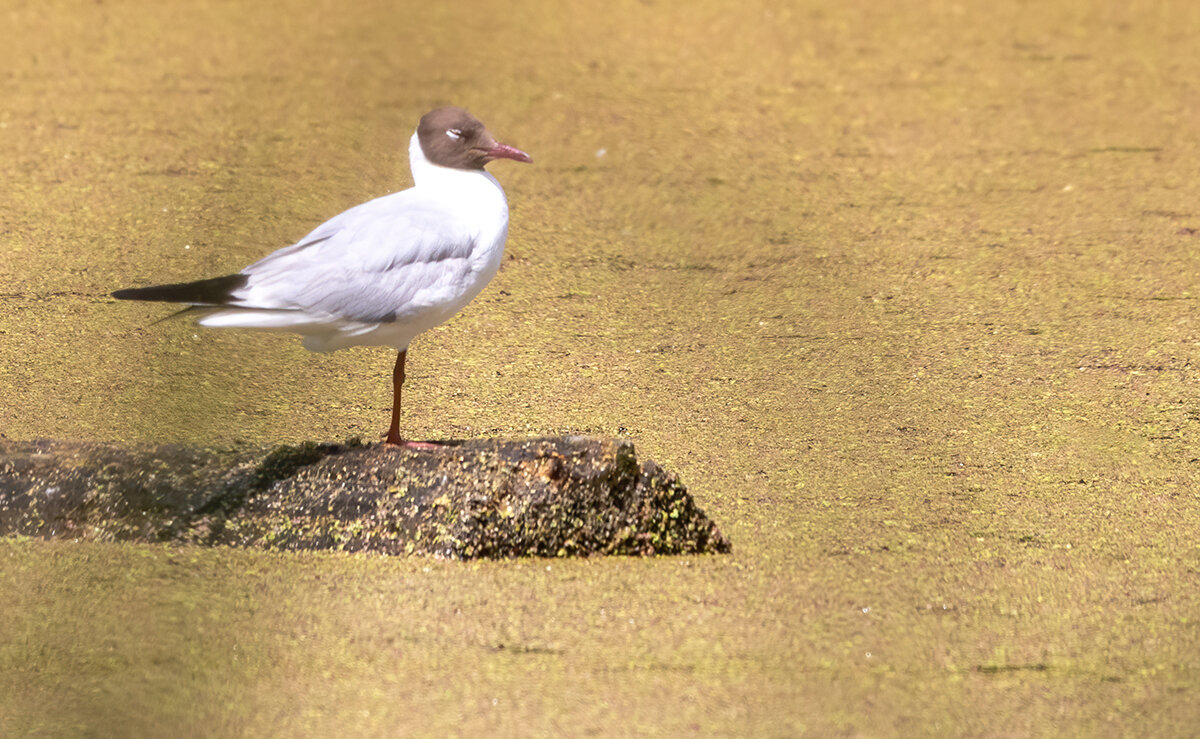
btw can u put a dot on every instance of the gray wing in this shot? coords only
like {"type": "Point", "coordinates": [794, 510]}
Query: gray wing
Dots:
{"type": "Point", "coordinates": [383, 260]}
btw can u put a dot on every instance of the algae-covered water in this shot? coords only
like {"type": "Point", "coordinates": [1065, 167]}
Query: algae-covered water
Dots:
{"type": "Point", "coordinates": [907, 294]}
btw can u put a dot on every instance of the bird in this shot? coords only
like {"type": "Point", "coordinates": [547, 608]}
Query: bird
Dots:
{"type": "Point", "coordinates": [381, 272]}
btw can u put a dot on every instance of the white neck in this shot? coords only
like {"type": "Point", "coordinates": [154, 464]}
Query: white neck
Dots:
{"type": "Point", "coordinates": [475, 195]}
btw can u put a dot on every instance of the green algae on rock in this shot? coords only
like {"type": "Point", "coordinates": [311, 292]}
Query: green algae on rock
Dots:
{"type": "Point", "coordinates": [563, 496]}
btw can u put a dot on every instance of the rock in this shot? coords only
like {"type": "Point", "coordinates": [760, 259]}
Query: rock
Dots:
{"type": "Point", "coordinates": [562, 496]}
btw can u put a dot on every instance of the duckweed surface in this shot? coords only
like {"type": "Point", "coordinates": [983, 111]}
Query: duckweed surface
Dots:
{"type": "Point", "coordinates": [905, 292]}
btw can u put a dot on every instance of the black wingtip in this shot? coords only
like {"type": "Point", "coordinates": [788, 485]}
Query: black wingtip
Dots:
{"type": "Point", "coordinates": [213, 291]}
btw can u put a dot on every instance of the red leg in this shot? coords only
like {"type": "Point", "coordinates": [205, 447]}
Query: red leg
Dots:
{"type": "Point", "coordinates": [393, 434]}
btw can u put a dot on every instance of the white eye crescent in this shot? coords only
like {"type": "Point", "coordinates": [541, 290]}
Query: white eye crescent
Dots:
{"type": "Point", "coordinates": [454, 133]}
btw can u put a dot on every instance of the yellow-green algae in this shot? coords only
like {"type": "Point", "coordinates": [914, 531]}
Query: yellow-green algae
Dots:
{"type": "Point", "coordinates": [906, 294]}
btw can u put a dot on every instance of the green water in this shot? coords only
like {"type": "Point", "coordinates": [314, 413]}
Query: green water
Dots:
{"type": "Point", "coordinates": [907, 296]}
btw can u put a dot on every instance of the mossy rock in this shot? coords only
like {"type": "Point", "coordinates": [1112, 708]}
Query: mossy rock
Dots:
{"type": "Point", "coordinates": [563, 496]}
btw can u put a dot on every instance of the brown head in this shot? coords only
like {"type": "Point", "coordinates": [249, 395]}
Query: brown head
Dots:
{"type": "Point", "coordinates": [452, 137]}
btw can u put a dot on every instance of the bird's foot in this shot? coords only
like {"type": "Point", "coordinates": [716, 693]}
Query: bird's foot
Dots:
{"type": "Point", "coordinates": [395, 440]}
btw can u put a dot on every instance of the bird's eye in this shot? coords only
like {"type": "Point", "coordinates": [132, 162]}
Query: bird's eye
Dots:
{"type": "Point", "coordinates": [454, 133]}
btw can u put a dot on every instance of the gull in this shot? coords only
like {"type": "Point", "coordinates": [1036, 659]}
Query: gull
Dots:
{"type": "Point", "coordinates": [383, 271]}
